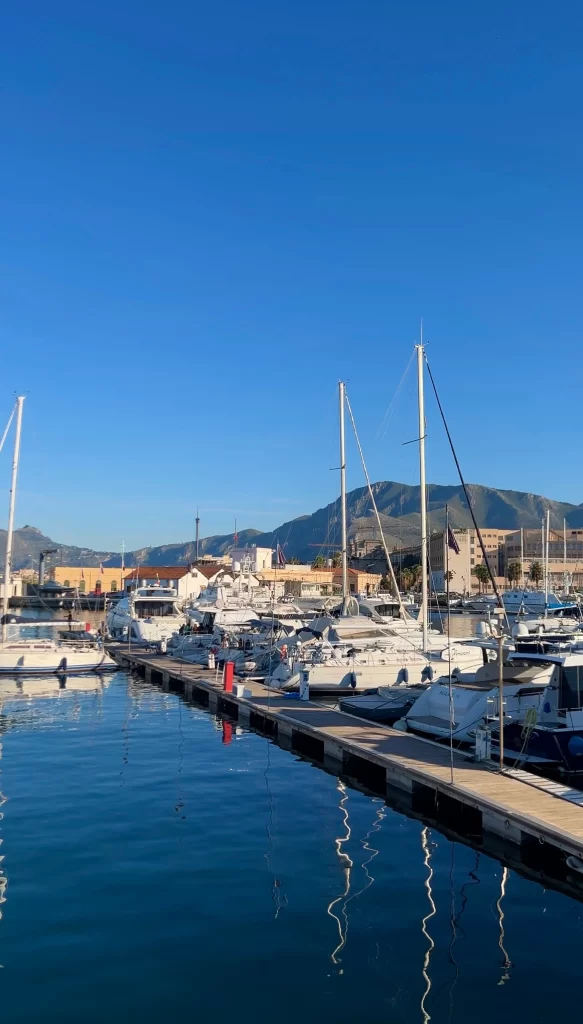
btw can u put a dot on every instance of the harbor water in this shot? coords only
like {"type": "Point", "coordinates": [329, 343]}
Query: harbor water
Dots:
{"type": "Point", "coordinates": [160, 863]}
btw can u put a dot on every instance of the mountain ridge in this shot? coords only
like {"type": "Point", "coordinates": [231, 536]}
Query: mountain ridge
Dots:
{"type": "Point", "coordinates": [319, 532]}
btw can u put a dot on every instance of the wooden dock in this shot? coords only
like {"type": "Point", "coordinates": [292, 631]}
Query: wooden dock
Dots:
{"type": "Point", "coordinates": [516, 807]}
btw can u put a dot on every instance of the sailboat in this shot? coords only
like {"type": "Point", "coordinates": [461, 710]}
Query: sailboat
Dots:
{"type": "Point", "coordinates": [31, 657]}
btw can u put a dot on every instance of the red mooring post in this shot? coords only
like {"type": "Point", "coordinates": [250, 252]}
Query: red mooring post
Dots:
{"type": "Point", "coordinates": [228, 676]}
{"type": "Point", "coordinates": [227, 733]}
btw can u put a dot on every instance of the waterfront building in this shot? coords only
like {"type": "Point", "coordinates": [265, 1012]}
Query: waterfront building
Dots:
{"type": "Point", "coordinates": [187, 580]}
{"type": "Point", "coordinates": [87, 579]}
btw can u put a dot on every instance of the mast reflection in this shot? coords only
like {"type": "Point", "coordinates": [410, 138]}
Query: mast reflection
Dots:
{"type": "Point", "coordinates": [426, 845]}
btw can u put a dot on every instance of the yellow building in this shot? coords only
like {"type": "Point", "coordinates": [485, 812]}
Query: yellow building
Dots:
{"type": "Point", "coordinates": [87, 578]}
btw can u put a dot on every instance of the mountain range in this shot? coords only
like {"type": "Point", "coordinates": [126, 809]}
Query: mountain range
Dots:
{"type": "Point", "coordinates": [319, 533]}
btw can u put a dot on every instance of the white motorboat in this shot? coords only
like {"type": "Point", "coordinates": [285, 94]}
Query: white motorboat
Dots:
{"type": "Point", "coordinates": [147, 615]}
{"type": "Point", "coordinates": [477, 699]}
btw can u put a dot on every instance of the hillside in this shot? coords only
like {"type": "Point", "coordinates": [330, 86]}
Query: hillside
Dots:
{"type": "Point", "coordinates": [308, 535]}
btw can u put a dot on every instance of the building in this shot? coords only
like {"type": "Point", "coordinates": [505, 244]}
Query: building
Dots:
{"type": "Point", "coordinates": [212, 573]}
{"type": "Point", "coordinates": [523, 547]}
{"type": "Point", "coordinates": [251, 559]}
{"type": "Point", "coordinates": [187, 580]}
{"type": "Point", "coordinates": [303, 581]}
{"type": "Point", "coordinates": [87, 579]}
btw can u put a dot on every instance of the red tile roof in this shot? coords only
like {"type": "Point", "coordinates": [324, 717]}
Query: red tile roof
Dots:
{"type": "Point", "coordinates": [161, 572]}
{"type": "Point", "coordinates": [210, 570]}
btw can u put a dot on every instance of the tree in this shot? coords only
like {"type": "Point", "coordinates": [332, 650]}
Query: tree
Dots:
{"type": "Point", "coordinates": [536, 572]}
{"type": "Point", "coordinates": [514, 572]}
{"type": "Point", "coordinates": [448, 576]}
{"type": "Point", "coordinates": [406, 579]}
{"type": "Point", "coordinates": [415, 571]}
{"type": "Point", "coordinates": [337, 560]}
{"type": "Point", "coordinates": [293, 561]}
{"type": "Point", "coordinates": [482, 575]}
{"type": "Point", "coordinates": [319, 562]}
{"type": "Point", "coordinates": [385, 583]}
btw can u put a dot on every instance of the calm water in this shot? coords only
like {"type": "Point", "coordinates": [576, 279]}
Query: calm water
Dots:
{"type": "Point", "coordinates": [155, 872]}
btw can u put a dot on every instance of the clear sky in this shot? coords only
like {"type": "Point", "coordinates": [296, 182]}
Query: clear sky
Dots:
{"type": "Point", "coordinates": [211, 212]}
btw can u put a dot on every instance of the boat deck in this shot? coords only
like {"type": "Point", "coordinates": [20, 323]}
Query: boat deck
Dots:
{"type": "Point", "coordinates": [518, 806]}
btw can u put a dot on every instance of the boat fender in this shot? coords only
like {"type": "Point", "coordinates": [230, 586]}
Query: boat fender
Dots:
{"type": "Point", "coordinates": [427, 674]}
{"type": "Point", "coordinates": [353, 680]}
{"type": "Point", "coordinates": [62, 667]}
{"type": "Point", "coordinates": [400, 725]}
{"type": "Point", "coordinates": [403, 676]}
{"type": "Point", "coordinates": [575, 746]}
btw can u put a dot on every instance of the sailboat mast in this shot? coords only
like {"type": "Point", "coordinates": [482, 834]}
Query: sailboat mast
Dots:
{"type": "Point", "coordinates": [548, 531]}
{"type": "Point", "coordinates": [522, 557]}
{"type": "Point", "coordinates": [10, 530]}
{"type": "Point", "coordinates": [423, 488]}
{"type": "Point", "coordinates": [341, 403]}
{"type": "Point", "coordinates": [565, 586]}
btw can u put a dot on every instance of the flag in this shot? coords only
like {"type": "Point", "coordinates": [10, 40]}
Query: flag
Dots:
{"type": "Point", "coordinates": [452, 542]}
{"type": "Point", "coordinates": [82, 574]}
{"type": "Point", "coordinates": [280, 556]}
{"type": "Point", "coordinates": [101, 569]}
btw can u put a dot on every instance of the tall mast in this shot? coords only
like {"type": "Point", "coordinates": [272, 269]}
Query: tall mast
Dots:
{"type": "Point", "coordinates": [341, 401]}
{"type": "Point", "coordinates": [197, 521]}
{"type": "Point", "coordinates": [522, 557]}
{"type": "Point", "coordinates": [423, 487]}
{"type": "Point", "coordinates": [10, 530]}
{"type": "Point", "coordinates": [548, 530]}
{"type": "Point", "coordinates": [565, 555]}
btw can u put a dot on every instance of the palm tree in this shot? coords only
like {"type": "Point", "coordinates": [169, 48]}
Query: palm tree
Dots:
{"type": "Point", "coordinates": [385, 583]}
{"type": "Point", "coordinates": [482, 575]}
{"type": "Point", "coordinates": [448, 576]}
{"type": "Point", "coordinates": [293, 561]}
{"type": "Point", "coordinates": [514, 572]}
{"type": "Point", "coordinates": [337, 560]}
{"type": "Point", "coordinates": [536, 572]}
{"type": "Point", "coordinates": [319, 562]}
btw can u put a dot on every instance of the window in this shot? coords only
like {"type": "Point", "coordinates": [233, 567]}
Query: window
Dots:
{"type": "Point", "coordinates": [113, 587]}
{"type": "Point", "coordinates": [66, 583]}
{"type": "Point", "coordinates": [98, 587]}
{"type": "Point", "coordinates": [571, 688]}
{"type": "Point", "coordinates": [472, 560]}
{"type": "Point", "coordinates": [82, 587]}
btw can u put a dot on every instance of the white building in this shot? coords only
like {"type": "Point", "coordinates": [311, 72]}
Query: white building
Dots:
{"type": "Point", "coordinates": [187, 580]}
{"type": "Point", "coordinates": [251, 559]}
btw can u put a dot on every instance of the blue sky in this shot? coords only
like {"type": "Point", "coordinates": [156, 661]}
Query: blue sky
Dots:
{"type": "Point", "coordinates": [210, 213]}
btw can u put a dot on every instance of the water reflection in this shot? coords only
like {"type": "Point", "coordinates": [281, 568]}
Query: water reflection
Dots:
{"type": "Point", "coordinates": [346, 865]}
{"type": "Point", "coordinates": [426, 846]}
{"type": "Point", "coordinates": [507, 963]}
{"type": "Point", "coordinates": [259, 824]}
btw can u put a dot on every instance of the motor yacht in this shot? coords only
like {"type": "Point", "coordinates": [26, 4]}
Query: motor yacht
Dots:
{"type": "Point", "coordinates": [146, 615]}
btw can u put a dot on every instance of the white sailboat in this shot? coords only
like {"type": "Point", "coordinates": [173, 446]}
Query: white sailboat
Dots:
{"type": "Point", "coordinates": [20, 656]}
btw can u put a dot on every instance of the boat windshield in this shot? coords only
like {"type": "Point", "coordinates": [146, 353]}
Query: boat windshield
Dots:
{"type": "Point", "coordinates": [157, 609]}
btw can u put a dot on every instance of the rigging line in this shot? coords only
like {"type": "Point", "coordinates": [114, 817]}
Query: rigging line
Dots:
{"type": "Point", "coordinates": [467, 495]}
{"type": "Point", "coordinates": [404, 614]}
{"type": "Point", "coordinates": [384, 424]}
{"type": "Point", "coordinates": [7, 428]}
